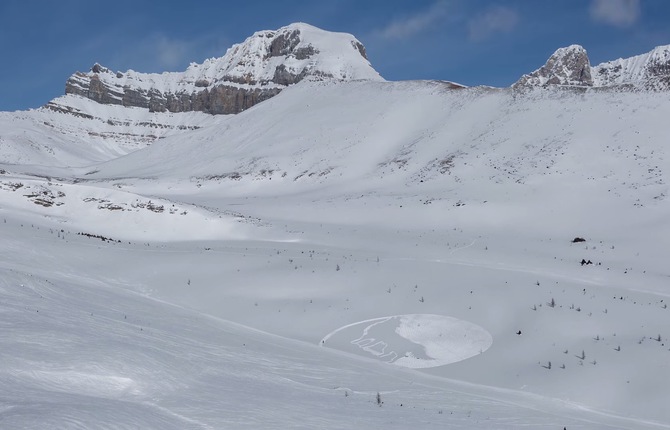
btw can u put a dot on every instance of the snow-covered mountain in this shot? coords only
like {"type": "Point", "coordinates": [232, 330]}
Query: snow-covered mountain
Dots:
{"type": "Point", "coordinates": [106, 114]}
{"type": "Point", "coordinates": [247, 74]}
{"type": "Point", "coordinates": [566, 66]}
{"type": "Point", "coordinates": [650, 70]}
{"type": "Point", "coordinates": [571, 67]}
{"type": "Point", "coordinates": [350, 253]}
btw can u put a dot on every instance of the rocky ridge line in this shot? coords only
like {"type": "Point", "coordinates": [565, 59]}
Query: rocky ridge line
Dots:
{"type": "Point", "coordinates": [570, 67]}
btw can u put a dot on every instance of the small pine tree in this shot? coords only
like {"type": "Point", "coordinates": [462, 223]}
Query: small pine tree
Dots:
{"type": "Point", "coordinates": [379, 399]}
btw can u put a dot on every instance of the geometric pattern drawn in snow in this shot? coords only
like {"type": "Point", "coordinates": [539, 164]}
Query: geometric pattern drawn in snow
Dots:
{"type": "Point", "coordinates": [417, 341]}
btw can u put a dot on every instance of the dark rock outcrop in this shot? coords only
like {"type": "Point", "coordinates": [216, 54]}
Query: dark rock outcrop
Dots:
{"type": "Point", "coordinates": [220, 99]}
{"type": "Point", "coordinates": [284, 44]}
{"type": "Point", "coordinates": [360, 48]}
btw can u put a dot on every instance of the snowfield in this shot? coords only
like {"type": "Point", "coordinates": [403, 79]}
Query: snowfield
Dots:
{"type": "Point", "coordinates": [344, 255]}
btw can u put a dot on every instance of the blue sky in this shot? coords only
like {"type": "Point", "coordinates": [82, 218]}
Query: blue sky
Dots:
{"type": "Point", "coordinates": [472, 42]}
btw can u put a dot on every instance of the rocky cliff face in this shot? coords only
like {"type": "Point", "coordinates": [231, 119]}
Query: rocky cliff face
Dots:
{"type": "Point", "coordinates": [571, 67]}
{"type": "Point", "coordinates": [250, 72]}
{"type": "Point", "coordinates": [214, 99]}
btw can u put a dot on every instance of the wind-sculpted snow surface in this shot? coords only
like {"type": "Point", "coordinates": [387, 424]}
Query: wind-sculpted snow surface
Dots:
{"type": "Point", "coordinates": [415, 341]}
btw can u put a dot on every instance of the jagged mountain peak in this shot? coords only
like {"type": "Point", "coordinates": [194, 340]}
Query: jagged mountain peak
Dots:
{"type": "Point", "coordinates": [248, 73]}
{"type": "Point", "coordinates": [289, 54]}
{"type": "Point", "coordinates": [566, 66]}
{"type": "Point", "coordinates": [573, 49]}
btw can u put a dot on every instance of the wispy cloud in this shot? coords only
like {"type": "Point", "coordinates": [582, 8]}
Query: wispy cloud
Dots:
{"type": "Point", "coordinates": [413, 24]}
{"type": "Point", "coordinates": [159, 52]}
{"type": "Point", "coordinates": [498, 19]}
{"type": "Point", "coordinates": [169, 52]}
{"type": "Point", "coordinates": [619, 13]}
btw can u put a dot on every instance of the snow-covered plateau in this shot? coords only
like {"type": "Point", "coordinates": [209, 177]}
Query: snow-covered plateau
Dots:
{"type": "Point", "coordinates": [346, 254]}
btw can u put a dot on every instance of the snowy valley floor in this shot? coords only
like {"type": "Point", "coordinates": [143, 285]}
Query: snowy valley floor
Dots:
{"type": "Point", "coordinates": [279, 321]}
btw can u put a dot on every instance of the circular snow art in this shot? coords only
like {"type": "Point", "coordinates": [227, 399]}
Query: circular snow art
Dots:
{"type": "Point", "coordinates": [417, 340]}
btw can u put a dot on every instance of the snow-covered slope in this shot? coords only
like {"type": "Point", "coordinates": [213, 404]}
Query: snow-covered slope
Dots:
{"type": "Point", "coordinates": [81, 352]}
{"type": "Point", "coordinates": [416, 136]}
{"type": "Point", "coordinates": [75, 131]}
{"type": "Point", "coordinates": [248, 73]}
{"type": "Point", "coordinates": [396, 218]}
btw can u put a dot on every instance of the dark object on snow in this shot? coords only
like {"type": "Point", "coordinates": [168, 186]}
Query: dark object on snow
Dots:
{"type": "Point", "coordinates": [578, 239]}
{"type": "Point", "coordinates": [519, 332]}
{"type": "Point", "coordinates": [97, 236]}
{"type": "Point", "coordinates": [586, 262]}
